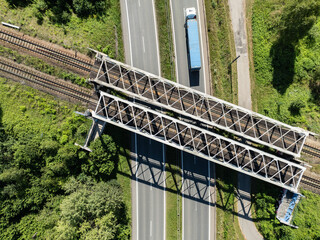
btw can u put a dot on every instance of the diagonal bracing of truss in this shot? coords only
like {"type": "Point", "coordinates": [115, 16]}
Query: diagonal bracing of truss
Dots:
{"type": "Point", "coordinates": [199, 106]}
{"type": "Point", "coordinates": [198, 141]}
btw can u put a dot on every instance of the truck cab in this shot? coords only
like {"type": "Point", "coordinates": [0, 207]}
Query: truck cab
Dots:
{"type": "Point", "coordinates": [191, 13]}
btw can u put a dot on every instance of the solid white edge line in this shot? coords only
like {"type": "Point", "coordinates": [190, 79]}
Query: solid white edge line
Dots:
{"type": "Point", "coordinates": [182, 226]}
{"type": "Point", "coordinates": [163, 146]}
{"type": "Point", "coordinates": [135, 135]}
{"type": "Point", "coordinates": [204, 67]}
{"type": "Point", "coordinates": [137, 195]}
{"type": "Point", "coordinates": [209, 199]}
{"type": "Point", "coordinates": [156, 30]}
{"type": "Point", "coordinates": [174, 42]}
{"type": "Point", "coordinates": [164, 189]}
{"type": "Point", "coordinates": [131, 61]}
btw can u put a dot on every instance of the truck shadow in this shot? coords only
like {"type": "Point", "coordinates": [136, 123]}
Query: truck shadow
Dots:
{"type": "Point", "coordinates": [194, 78]}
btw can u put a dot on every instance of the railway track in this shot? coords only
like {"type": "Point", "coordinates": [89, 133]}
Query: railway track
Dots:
{"type": "Point", "coordinates": [85, 66]}
{"type": "Point", "coordinates": [45, 82]}
{"type": "Point", "coordinates": [311, 150]}
{"type": "Point", "coordinates": [53, 53]}
{"type": "Point", "coordinates": [311, 182]}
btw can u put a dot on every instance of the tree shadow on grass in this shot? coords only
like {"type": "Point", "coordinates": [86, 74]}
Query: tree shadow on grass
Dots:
{"type": "Point", "coordinates": [296, 21]}
{"type": "Point", "coordinates": [283, 58]}
{"type": "Point", "coordinates": [19, 3]}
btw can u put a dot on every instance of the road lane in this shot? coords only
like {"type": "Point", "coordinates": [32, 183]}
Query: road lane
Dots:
{"type": "Point", "coordinates": [196, 197]}
{"type": "Point", "coordinates": [150, 178]}
{"type": "Point", "coordinates": [194, 79]}
{"type": "Point", "coordinates": [144, 41]}
{"type": "Point", "coordinates": [149, 195]}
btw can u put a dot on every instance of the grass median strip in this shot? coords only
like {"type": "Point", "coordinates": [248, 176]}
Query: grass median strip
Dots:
{"type": "Point", "coordinates": [173, 195]}
{"type": "Point", "coordinates": [227, 219]}
{"type": "Point", "coordinates": [165, 39]}
{"type": "Point", "coordinates": [222, 50]}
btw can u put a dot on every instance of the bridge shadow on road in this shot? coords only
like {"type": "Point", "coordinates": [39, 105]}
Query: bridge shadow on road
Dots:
{"type": "Point", "coordinates": [195, 183]}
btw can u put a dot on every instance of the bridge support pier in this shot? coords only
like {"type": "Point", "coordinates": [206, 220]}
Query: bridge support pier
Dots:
{"type": "Point", "coordinates": [96, 130]}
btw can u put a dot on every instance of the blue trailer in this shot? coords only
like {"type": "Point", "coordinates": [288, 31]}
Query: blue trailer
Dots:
{"type": "Point", "coordinates": [193, 40]}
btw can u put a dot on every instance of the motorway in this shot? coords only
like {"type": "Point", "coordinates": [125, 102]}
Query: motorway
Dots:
{"type": "Point", "coordinates": [196, 215]}
{"type": "Point", "coordinates": [142, 52]}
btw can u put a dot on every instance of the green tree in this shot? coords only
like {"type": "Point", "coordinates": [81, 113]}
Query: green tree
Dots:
{"type": "Point", "coordinates": [103, 158]}
{"type": "Point", "coordinates": [91, 211]}
{"type": "Point", "coordinates": [297, 19]}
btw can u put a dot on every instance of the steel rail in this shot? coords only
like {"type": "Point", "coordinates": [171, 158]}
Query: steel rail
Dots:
{"type": "Point", "coordinates": [45, 81]}
{"type": "Point", "coordinates": [42, 49]}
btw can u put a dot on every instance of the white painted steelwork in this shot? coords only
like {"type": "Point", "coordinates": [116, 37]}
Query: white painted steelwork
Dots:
{"type": "Point", "coordinates": [197, 141]}
{"type": "Point", "coordinates": [197, 105]}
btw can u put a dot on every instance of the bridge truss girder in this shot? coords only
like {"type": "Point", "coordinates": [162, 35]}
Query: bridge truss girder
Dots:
{"type": "Point", "coordinates": [197, 141]}
{"type": "Point", "coordinates": [197, 105]}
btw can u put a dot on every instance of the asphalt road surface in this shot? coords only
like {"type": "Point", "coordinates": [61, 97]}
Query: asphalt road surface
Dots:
{"type": "Point", "coordinates": [197, 197]}
{"type": "Point", "coordinates": [195, 79]}
{"type": "Point", "coordinates": [148, 191]}
{"type": "Point", "coordinates": [196, 211]}
{"type": "Point", "coordinates": [150, 198]}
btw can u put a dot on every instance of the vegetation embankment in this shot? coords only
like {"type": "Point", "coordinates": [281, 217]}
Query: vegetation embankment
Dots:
{"type": "Point", "coordinates": [227, 214]}
{"type": "Point", "coordinates": [50, 188]}
{"type": "Point", "coordinates": [76, 24]}
{"type": "Point", "coordinates": [165, 38]}
{"type": "Point", "coordinates": [285, 50]}
{"type": "Point", "coordinates": [306, 216]}
{"type": "Point", "coordinates": [173, 194]}
{"type": "Point", "coordinates": [222, 50]}
{"type": "Point", "coordinates": [42, 66]}
{"type": "Point", "coordinates": [286, 54]}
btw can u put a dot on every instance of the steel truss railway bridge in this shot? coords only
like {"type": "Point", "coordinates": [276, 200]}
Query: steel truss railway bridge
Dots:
{"type": "Point", "coordinates": [192, 121]}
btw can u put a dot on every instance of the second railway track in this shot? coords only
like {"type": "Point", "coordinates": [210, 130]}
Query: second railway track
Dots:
{"type": "Point", "coordinates": [15, 40]}
{"type": "Point", "coordinates": [49, 84]}
{"type": "Point", "coordinates": [311, 182]}
{"type": "Point", "coordinates": [311, 150]}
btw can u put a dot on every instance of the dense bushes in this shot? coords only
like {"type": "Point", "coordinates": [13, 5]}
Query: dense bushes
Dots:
{"type": "Point", "coordinates": [48, 185]}
{"type": "Point", "coordinates": [285, 51]}
{"type": "Point", "coordinates": [306, 215]}
{"type": "Point", "coordinates": [61, 10]}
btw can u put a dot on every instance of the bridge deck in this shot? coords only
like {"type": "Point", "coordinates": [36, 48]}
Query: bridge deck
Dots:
{"type": "Point", "coordinates": [198, 141]}
{"type": "Point", "coordinates": [197, 105]}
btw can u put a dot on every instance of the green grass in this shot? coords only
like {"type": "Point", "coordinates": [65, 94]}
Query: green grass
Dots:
{"type": "Point", "coordinates": [124, 175]}
{"type": "Point", "coordinates": [173, 195]}
{"type": "Point", "coordinates": [165, 39]}
{"type": "Point", "coordinates": [222, 51]}
{"type": "Point", "coordinates": [306, 215]}
{"type": "Point", "coordinates": [285, 84]}
{"type": "Point", "coordinates": [42, 66]}
{"type": "Point", "coordinates": [227, 219]}
{"type": "Point", "coordinates": [26, 107]}
{"type": "Point", "coordinates": [99, 32]}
